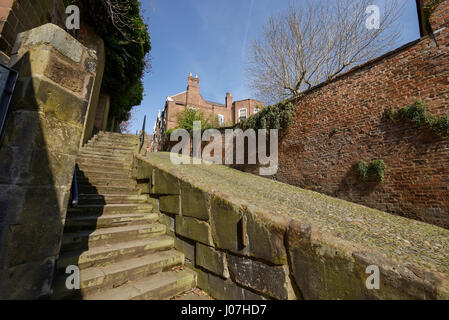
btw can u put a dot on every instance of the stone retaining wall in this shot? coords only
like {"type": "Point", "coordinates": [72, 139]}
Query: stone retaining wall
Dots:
{"type": "Point", "coordinates": [252, 238]}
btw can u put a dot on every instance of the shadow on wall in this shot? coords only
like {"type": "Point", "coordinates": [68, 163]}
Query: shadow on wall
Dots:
{"type": "Point", "coordinates": [32, 207]}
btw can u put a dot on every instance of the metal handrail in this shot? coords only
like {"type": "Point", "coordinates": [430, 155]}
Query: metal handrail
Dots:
{"type": "Point", "coordinates": [6, 96]}
{"type": "Point", "coordinates": [74, 189]}
{"type": "Point", "coordinates": [142, 134]}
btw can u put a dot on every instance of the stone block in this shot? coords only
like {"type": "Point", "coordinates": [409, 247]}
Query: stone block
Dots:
{"type": "Point", "coordinates": [226, 218]}
{"type": "Point", "coordinates": [53, 35]}
{"type": "Point", "coordinates": [194, 229]}
{"type": "Point", "coordinates": [194, 202]}
{"type": "Point", "coordinates": [187, 248]}
{"type": "Point", "coordinates": [143, 171]}
{"type": "Point", "coordinates": [28, 281]}
{"type": "Point", "coordinates": [169, 222]}
{"type": "Point", "coordinates": [272, 281]}
{"type": "Point", "coordinates": [164, 183]}
{"type": "Point", "coordinates": [35, 167]}
{"type": "Point", "coordinates": [32, 241]}
{"type": "Point", "coordinates": [227, 290]}
{"type": "Point", "coordinates": [325, 267]}
{"type": "Point", "coordinates": [169, 204]}
{"type": "Point", "coordinates": [266, 233]}
{"type": "Point", "coordinates": [212, 260]}
{"type": "Point", "coordinates": [38, 94]}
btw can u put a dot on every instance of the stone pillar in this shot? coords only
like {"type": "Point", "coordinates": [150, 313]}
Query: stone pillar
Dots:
{"type": "Point", "coordinates": [37, 156]}
{"type": "Point", "coordinates": [102, 113]}
{"type": "Point", "coordinates": [95, 44]}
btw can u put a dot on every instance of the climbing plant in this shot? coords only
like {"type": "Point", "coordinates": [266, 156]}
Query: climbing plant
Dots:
{"type": "Point", "coordinates": [277, 116]}
{"type": "Point", "coordinates": [428, 9]}
{"type": "Point", "coordinates": [376, 168]}
{"type": "Point", "coordinates": [127, 44]}
{"type": "Point", "coordinates": [418, 114]}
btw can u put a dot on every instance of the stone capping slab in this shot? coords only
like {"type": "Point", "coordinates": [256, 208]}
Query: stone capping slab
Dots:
{"type": "Point", "coordinates": [55, 36]}
{"type": "Point", "coordinates": [413, 257]}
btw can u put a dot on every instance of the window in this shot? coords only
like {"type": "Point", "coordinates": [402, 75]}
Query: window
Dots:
{"type": "Point", "coordinates": [242, 114]}
{"type": "Point", "coordinates": [220, 119]}
{"type": "Point", "coordinates": [256, 110]}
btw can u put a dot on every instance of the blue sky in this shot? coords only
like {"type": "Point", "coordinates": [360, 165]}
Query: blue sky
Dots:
{"type": "Point", "coordinates": [211, 38]}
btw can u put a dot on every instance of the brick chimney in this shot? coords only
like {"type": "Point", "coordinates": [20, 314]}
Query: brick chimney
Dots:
{"type": "Point", "coordinates": [228, 100]}
{"type": "Point", "coordinates": [193, 91]}
{"type": "Point", "coordinates": [193, 84]}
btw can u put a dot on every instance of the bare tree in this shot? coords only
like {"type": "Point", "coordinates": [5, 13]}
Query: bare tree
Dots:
{"type": "Point", "coordinates": [306, 46]}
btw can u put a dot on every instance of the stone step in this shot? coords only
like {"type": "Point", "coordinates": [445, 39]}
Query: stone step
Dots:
{"type": "Point", "coordinates": [96, 280]}
{"type": "Point", "coordinates": [94, 181]}
{"type": "Point", "coordinates": [120, 174]}
{"type": "Point", "coordinates": [85, 199]}
{"type": "Point", "coordinates": [108, 147]}
{"type": "Point", "coordinates": [106, 190]}
{"type": "Point", "coordinates": [117, 134]}
{"type": "Point", "coordinates": [117, 157]}
{"type": "Point", "coordinates": [100, 166]}
{"type": "Point", "coordinates": [100, 237]}
{"type": "Point", "coordinates": [118, 139]}
{"type": "Point", "coordinates": [107, 152]}
{"type": "Point", "coordinates": [112, 142]}
{"type": "Point", "coordinates": [155, 287]}
{"type": "Point", "coordinates": [92, 222]}
{"type": "Point", "coordinates": [101, 162]}
{"type": "Point", "coordinates": [111, 208]}
{"type": "Point", "coordinates": [113, 253]}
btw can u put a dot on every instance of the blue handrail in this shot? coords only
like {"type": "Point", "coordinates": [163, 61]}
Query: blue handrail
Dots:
{"type": "Point", "coordinates": [74, 190]}
{"type": "Point", "coordinates": [142, 134]}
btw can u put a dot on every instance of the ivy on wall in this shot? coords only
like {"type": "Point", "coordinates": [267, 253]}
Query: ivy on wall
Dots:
{"type": "Point", "coordinates": [428, 9]}
{"type": "Point", "coordinates": [277, 116]}
{"type": "Point", "coordinates": [418, 114]}
{"type": "Point", "coordinates": [376, 168]}
{"type": "Point", "coordinates": [127, 44]}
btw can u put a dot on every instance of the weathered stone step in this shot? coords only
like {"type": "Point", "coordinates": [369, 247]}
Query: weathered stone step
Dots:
{"type": "Point", "coordinates": [99, 166]}
{"type": "Point", "coordinates": [94, 181]}
{"type": "Point", "coordinates": [111, 199]}
{"type": "Point", "coordinates": [105, 190]}
{"type": "Point", "coordinates": [117, 134]}
{"type": "Point", "coordinates": [109, 221]}
{"type": "Point", "coordinates": [112, 142]}
{"type": "Point", "coordinates": [99, 279]}
{"type": "Point", "coordinates": [111, 208]}
{"type": "Point", "coordinates": [113, 253]}
{"type": "Point", "coordinates": [99, 156]}
{"type": "Point", "coordinates": [108, 147]}
{"type": "Point", "coordinates": [155, 287]}
{"type": "Point", "coordinates": [107, 152]}
{"type": "Point", "coordinates": [119, 174]}
{"type": "Point", "coordinates": [100, 162]}
{"type": "Point", "coordinates": [88, 239]}
{"type": "Point", "coordinates": [119, 140]}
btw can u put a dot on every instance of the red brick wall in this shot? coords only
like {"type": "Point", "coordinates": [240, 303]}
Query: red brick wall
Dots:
{"type": "Point", "coordinates": [17, 16]}
{"type": "Point", "coordinates": [417, 179]}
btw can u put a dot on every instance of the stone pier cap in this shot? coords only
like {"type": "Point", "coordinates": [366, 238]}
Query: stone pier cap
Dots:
{"type": "Point", "coordinates": [327, 243]}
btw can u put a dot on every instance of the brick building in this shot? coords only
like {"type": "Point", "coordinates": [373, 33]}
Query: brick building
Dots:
{"type": "Point", "coordinates": [229, 113]}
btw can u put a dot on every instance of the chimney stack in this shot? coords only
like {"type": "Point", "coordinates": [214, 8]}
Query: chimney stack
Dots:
{"type": "Point", "coordinates": [228, 100]}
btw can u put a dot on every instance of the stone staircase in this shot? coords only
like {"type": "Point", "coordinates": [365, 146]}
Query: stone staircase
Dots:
{"type": "Point", "coordinates": [113, 235]}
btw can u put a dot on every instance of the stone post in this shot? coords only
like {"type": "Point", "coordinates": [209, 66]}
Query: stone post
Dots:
{"type": "Point", "coordinates": [37, 156]}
